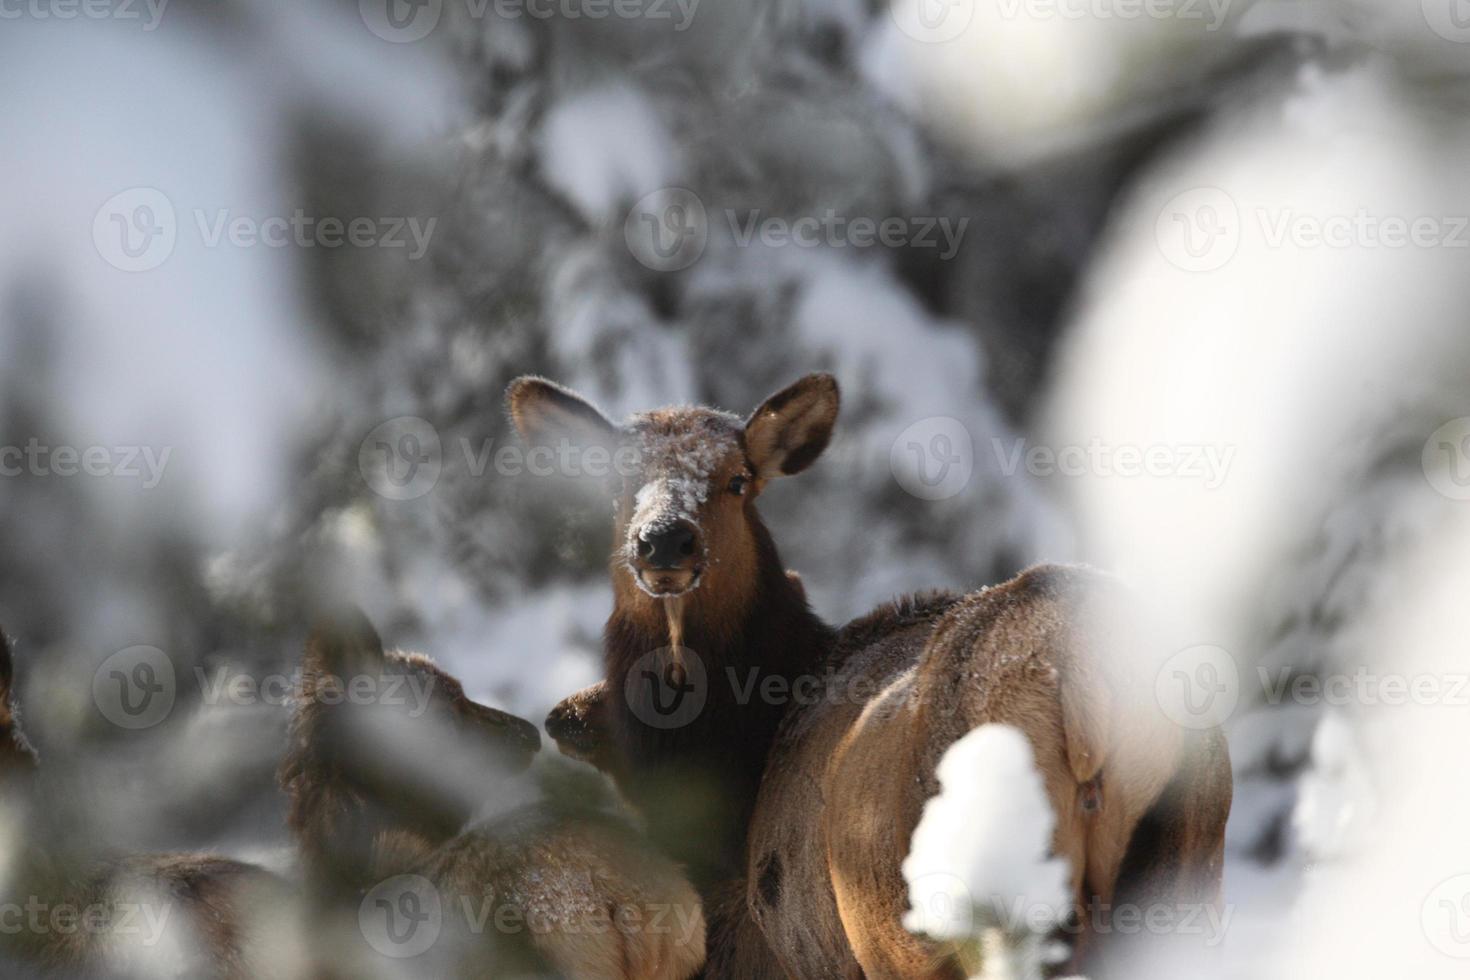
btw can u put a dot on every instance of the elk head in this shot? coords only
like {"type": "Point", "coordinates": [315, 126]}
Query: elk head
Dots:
{"type": "Point", "coordinates": [384, 742]}
{"type": "Point", "coordinates": [689, 545]}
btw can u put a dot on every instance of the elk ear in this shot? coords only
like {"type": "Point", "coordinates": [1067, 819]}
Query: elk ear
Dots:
{"type": "Point", "coordinates": [792, 427]}
{"type": "Point", "coordinates": [545, 414]}
{"type": "Point", "coordinates": [343, 644]}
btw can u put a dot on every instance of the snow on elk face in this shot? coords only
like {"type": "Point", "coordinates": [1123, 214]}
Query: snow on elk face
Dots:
{"type": "Point", "coordinates": [683, 511]}
{"type": "Point", "coordinates": [688, 543]}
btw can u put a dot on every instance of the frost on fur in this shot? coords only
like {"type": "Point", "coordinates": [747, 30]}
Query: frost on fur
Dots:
{"type": "Point", "coordinates": [979, 870]}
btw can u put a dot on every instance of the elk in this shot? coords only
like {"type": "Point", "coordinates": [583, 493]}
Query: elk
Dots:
{"type": "Point", "coordinates": [531, 877]}
{"type": "Point", "coordinates": [695, 569]}
{"type": "Point", "coordinates": [154, 915]}
{"type": "Point", "coordinates": [812, 809]}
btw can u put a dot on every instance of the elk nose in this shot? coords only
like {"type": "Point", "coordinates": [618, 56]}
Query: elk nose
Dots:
{"type": "Point", "coordinates": [671, 547]}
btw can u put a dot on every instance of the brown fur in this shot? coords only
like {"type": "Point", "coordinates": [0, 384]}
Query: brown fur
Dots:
{"type": "Point", "coordinates": [847, 777]}
{"type": "Point", "coordinates": [697, 784]}
{"type": "Point", "coordinates": [1031, 647]}
{"type": "Point", "coordinates": [363, 817]}
{"type": "Point", "coordinates": [215, 918]}
{"type": "Point", "coordinates": [579, 726]}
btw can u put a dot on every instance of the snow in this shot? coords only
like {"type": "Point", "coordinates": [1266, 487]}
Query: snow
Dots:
{"type": "Point", "coordinates": [1323, 370]}
{"type": "Point", "coordinates": [1333, 817]}
{"type": "Point", "coordinates": [676, 467]}
{"type": "Point", "coordinates": [1295, 562]}
{"type": "Point", "coordinates": [604, 149]}
{"type": "Point", "coordinates": [973, 72]}
{"type": "Point", "coordinates": [979, 869]}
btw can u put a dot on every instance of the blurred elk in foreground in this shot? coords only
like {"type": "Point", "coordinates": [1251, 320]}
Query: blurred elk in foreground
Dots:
{"type": "Point", "coordinates": [797, 821]}
{"type": "Point", "coordinates": [406, 805]}
{"type": "Point", "coordinates": [67, 910]}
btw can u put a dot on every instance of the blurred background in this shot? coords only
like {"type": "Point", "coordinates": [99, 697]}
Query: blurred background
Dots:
{"type": "Point", "coordinates": [1174, 287]}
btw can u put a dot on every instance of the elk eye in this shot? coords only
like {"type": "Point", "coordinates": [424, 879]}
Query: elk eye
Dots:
{"type": "Point", "coordinates": [737, 485]}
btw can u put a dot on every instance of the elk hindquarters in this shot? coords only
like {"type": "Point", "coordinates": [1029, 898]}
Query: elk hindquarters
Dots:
{"type": "Point", "coordinates": [1176, 855]}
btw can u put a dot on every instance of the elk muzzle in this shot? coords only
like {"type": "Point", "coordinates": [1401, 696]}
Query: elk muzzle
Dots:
{"type": "Point", "coordinates": [668, 560]}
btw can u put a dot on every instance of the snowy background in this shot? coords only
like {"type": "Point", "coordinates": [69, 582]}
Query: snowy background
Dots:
{"type": "Point", "coordinates": [1171, 231]}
